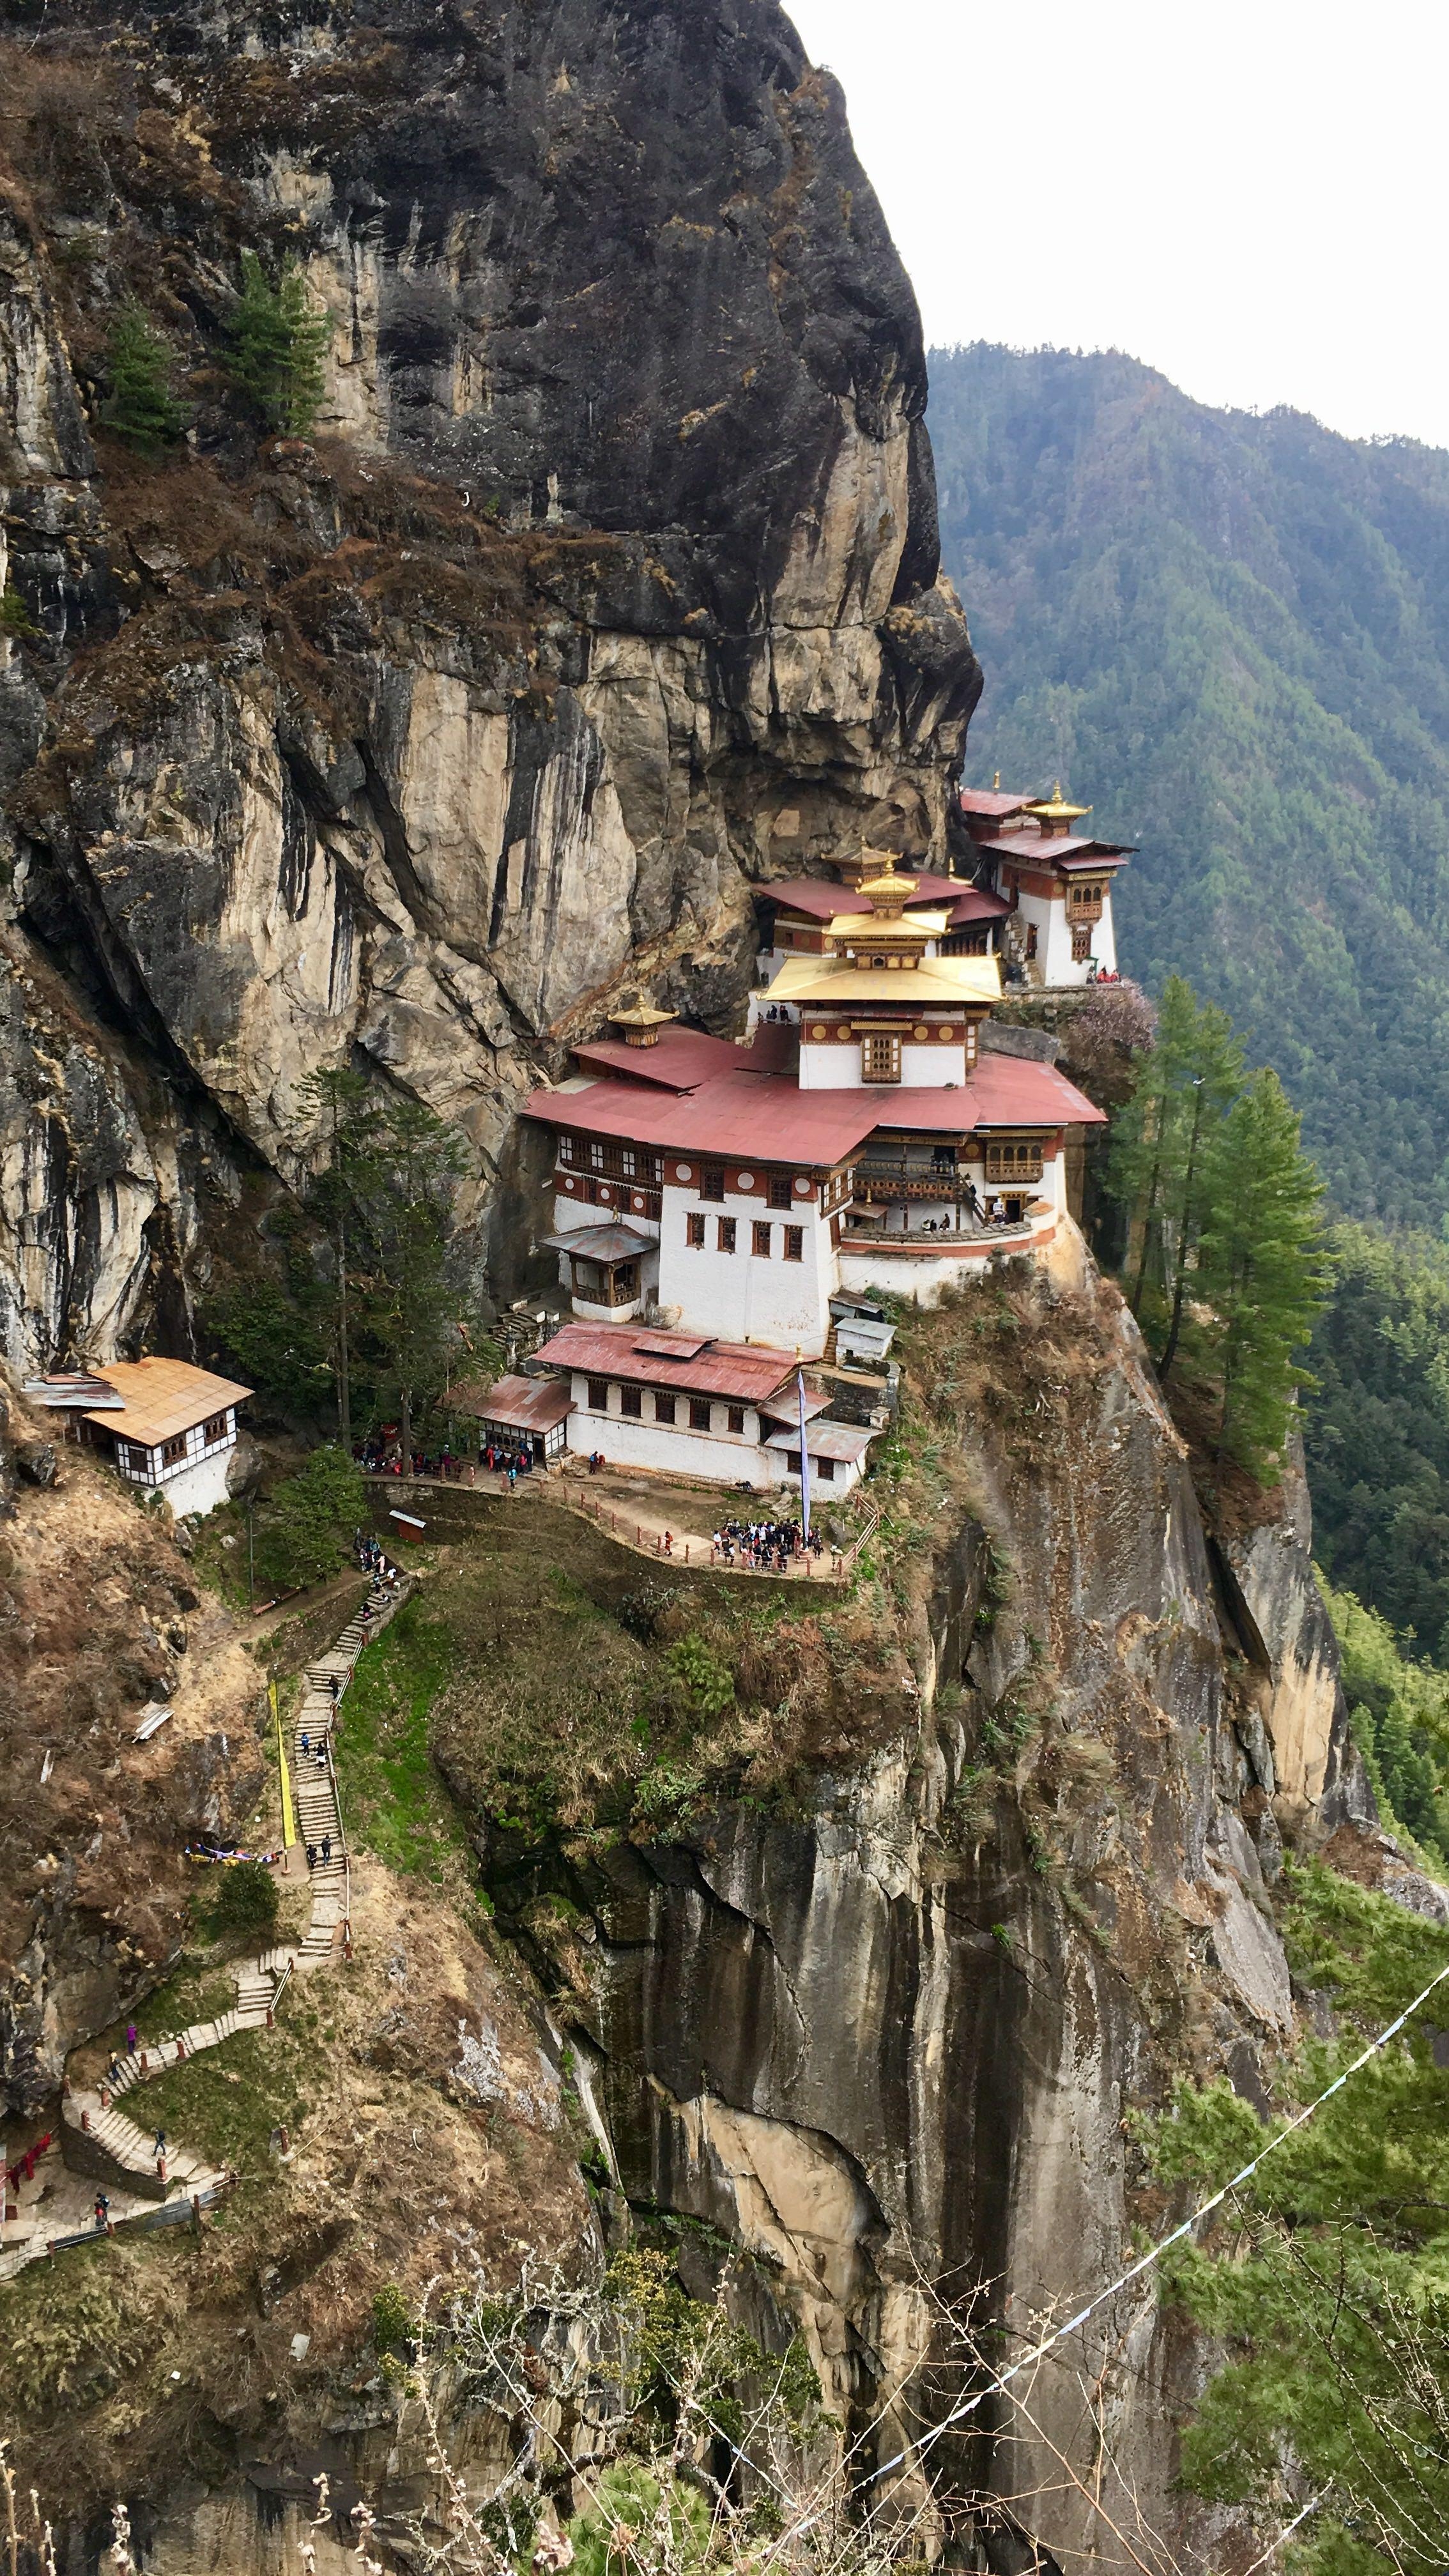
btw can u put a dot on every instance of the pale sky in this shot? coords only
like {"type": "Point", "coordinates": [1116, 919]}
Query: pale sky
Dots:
{"type": "Point", "coordinates": [1248, 194]}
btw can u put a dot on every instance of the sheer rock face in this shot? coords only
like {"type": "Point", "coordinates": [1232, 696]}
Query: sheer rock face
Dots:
{"type": "Point", "coordinates": [610, 584]}
{"type": "Point", "coordinates": [896, 2040]}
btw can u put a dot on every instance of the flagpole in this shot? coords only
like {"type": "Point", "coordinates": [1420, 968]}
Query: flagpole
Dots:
{"type": "Point", "coordinates": [804, 1460]}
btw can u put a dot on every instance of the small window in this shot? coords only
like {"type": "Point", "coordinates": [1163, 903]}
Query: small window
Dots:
{"type": "Point", "coordinates": [596, 1157]}
{"type": "Point", "coordinates": [880, 1056]}
{"type": "Point", "coordinates": [1081, 943]}
{"type": "Point", "coordinates": [566, 1149]}
{"type": "Point", "coordinates": [1031, 939]}
{"type": "Point", "coordinates": [628, 1161]}
{"type": "Point", "coordinates": [794, 1243]}
{"type": "Point", "coordinates": [598, 1395]}
{"type": "Point", "coordinates": [173, 1451]}
{"type": "Point", "coordinates": [664, 1408]}
{"type": "Point", "coordinates": [792, 1462]}
{"type": "Point", "coordinates": [824, 1469]}
{"type": "Point", "coordinates": [699, 1413]}
{"type": "Point", "coordinates": [737, 1420]}
{"type": "Point", "coordinates": [762, 1234]}
{"type": "Point", "coordinates": [712, 1185]}
{"type": "Point", "coordinates": [727, 1232]}
{"type": "Point", "coordinates": [779, 1189]}
{"type": "Point", "coordinates": [631, 1403]}
{"type": "Point", "coordinates": [694, 1233]}
{"type": "Point", "coordinates": [214, 1430]}
{"type": "Point", "coordinates": [971, 1041]}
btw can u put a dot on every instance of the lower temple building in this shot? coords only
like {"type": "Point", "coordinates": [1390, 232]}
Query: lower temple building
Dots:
{"type": "Point", "coordinates": [718, 1205]}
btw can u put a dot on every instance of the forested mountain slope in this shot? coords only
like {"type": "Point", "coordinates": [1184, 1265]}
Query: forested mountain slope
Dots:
{"type": "Point", "coordinates": [1231, 634]}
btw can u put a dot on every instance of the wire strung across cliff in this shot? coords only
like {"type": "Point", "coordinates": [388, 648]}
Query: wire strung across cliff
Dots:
{"type": "Point", "coordinates": [1000, 2383]}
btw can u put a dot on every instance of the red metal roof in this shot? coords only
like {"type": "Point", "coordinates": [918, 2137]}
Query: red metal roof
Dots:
{"type": "Point", "coordinates": [682, 1059]}
{"type": "Point", "coordinates": [519, 1403]}
{"type": "Point", "coordinates": [1056, 848]}
{"type": "Point", "coordinates": [1004, 1091]}
{"type": "Point", "coordinates": [977, 905]}
{"type": "Point", "coordinates": [742, 1117]}
{"type": "Point", "coordinates": [744, 1371]}
{"type": "Point", "coordinates": [991, 802]}
{"type": "Point", "coordinates": [822, 901]}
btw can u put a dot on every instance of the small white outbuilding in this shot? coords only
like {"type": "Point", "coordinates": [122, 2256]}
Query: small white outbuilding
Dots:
{"type": "Point", "coordinates": [174, 1431]}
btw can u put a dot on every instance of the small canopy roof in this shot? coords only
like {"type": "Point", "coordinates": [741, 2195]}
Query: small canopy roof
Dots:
{"type": "Point", "coordinates": [161, 1398]}
{"type": "Point", "coordinates": [604, 1243]}
{"type": "Point", "coordinates": [519, 1403]}
{"type": "Point", "coordinates": [847, 1440]}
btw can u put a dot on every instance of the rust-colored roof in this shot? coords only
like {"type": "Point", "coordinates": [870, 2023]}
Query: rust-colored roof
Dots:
{"type": "Point", "coordinates": [741, 1117]}
{"type": "Point", "coordinates": [821, 901]}
{"type": "Point", "coordinates": [977, 905]}
{"type": "Point", "coordinates": [1004, 1091]}
{"type": "Point", "coordinates": [519, 1403]}
{"type": "Point", "coordinates": [162, 1398]}
{"type": "Point", "coordinates": [1058, 850]}
{"type": "Point", "coordinates": [680, 1062]}
{"type": "Point", "coordinates": [991, 803]}
{"type": "Point", "coordinates": [744, 1371]}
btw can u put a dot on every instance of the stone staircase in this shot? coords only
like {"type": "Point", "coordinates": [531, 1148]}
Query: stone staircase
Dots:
{"type": "Point", "coordinates": [98, 2142]}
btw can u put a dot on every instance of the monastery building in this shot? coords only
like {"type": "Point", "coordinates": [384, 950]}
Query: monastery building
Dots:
{"type": "Point", "coordinates": [719, 1206]}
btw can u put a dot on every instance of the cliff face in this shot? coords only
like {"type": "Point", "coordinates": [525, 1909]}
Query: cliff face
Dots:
{"type": "Point", "coordinates": [892, 2041]}
{"type": "Point", "coordinates": [609, 583]}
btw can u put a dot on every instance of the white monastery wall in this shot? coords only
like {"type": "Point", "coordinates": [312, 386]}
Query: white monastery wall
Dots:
{"type": "Point", "coordinates": [741, 1296]}
{"type": "Point", "coordinates": [838, 1068]}
{"type": "Point", "coordinates": [199, 1486]}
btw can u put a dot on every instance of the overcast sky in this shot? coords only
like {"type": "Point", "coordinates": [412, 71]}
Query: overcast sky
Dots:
{"type": "Point", "coordinates": [1249, 196]}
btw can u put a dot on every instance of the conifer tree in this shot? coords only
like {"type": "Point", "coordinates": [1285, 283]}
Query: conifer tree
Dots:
{"type": "Point", "coordinates": [141, 405]}
{"type": "Point", "coordinates": [1264, 1268]}
{"type": "Point", "coordinates": [277, 347]}
{"type": "Point", "coordinates": [1161, 1144]}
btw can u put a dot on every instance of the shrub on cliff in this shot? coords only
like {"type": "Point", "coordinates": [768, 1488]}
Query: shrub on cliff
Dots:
{"type": "Point", "coordinates": [309, 1520]}
{"type": "Point", "coordinates": [141, 406]}
{"type": "Point", "coordinates": [278, 345]}
{"type": "Point", "coordinates": [243, 1904]}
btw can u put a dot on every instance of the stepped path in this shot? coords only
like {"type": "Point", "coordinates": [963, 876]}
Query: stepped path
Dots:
{"type": "Point", "coordinates": [100, 2148]}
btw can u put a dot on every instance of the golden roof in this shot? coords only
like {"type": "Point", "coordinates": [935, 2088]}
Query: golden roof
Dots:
{"type": "Point", "coordinates": [642, 1016]}
{"type": "Point", "coordinates": [858, 930]}
{"type": "Point", "coordinates": [1055, 809]}
{"type": "Point", "coordinates": [956, 980]}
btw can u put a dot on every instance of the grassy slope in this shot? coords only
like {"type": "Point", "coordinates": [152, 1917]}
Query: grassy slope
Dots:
{"type": "Point", "coordinates": [1232, 636]}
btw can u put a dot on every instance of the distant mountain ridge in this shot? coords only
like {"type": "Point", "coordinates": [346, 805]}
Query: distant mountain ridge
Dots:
{"type": "Point", "coordinates": [1231, 634]}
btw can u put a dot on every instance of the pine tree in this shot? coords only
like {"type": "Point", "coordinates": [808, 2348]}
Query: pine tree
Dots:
{"type": "Point", "coordinates": [278, 346]}
{"type": "Point", "coordinates": [1161, 1144]}
{"type": "Point", "coordinates": [141, 405]}
{"type": "Point", "coordinates": [1264, 1268]}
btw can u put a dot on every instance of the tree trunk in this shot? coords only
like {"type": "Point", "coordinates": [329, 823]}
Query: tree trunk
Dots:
{"type": "Point", "coordinates": [405, 1411]}
{"type": "Point", "coordinates": [1179, 1284]}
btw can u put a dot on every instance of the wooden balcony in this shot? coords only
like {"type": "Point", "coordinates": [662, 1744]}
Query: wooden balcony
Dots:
{"type": "Point", "coordinates": [880, 1186]}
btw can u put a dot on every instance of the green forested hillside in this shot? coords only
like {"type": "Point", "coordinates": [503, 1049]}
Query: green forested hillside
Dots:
{"type": "Point", "coordinates": [1231, 635]}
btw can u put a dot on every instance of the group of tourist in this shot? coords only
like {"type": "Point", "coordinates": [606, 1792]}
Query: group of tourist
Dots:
{"type": "Point", "coordinates": [765, 1547]}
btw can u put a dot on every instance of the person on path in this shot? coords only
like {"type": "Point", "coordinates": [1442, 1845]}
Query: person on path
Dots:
{"type": "Point", "coordinates": [335, 1687]}
{"type": "Point", "coordinates": [131, 2038]}
{"type": "Point", "coordinates": [306, 1741]}
{"type": "Point", "coordinates": [159, 2149]}
{"type": "Point", "coordinates": [113, 2071]}
{"type": "Point", "coordinates": [326, 1849]}
{"type": "Point", "coordinates": [103, 2210]}
{"type": "Point", "coordinates": [311, 1855]}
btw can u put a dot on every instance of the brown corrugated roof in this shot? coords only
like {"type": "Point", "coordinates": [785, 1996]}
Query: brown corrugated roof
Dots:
{"type": "Point", "coordinates": [164, 1397]}
{"type": "Point", "coordinates": [519, 1403]}
{"type": "Point", "coordinates": [602, 1243]}
{"type": "Point", "coordinates": [990, 801]}
{"type": "Point", "coordinates": [1057, 849]}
